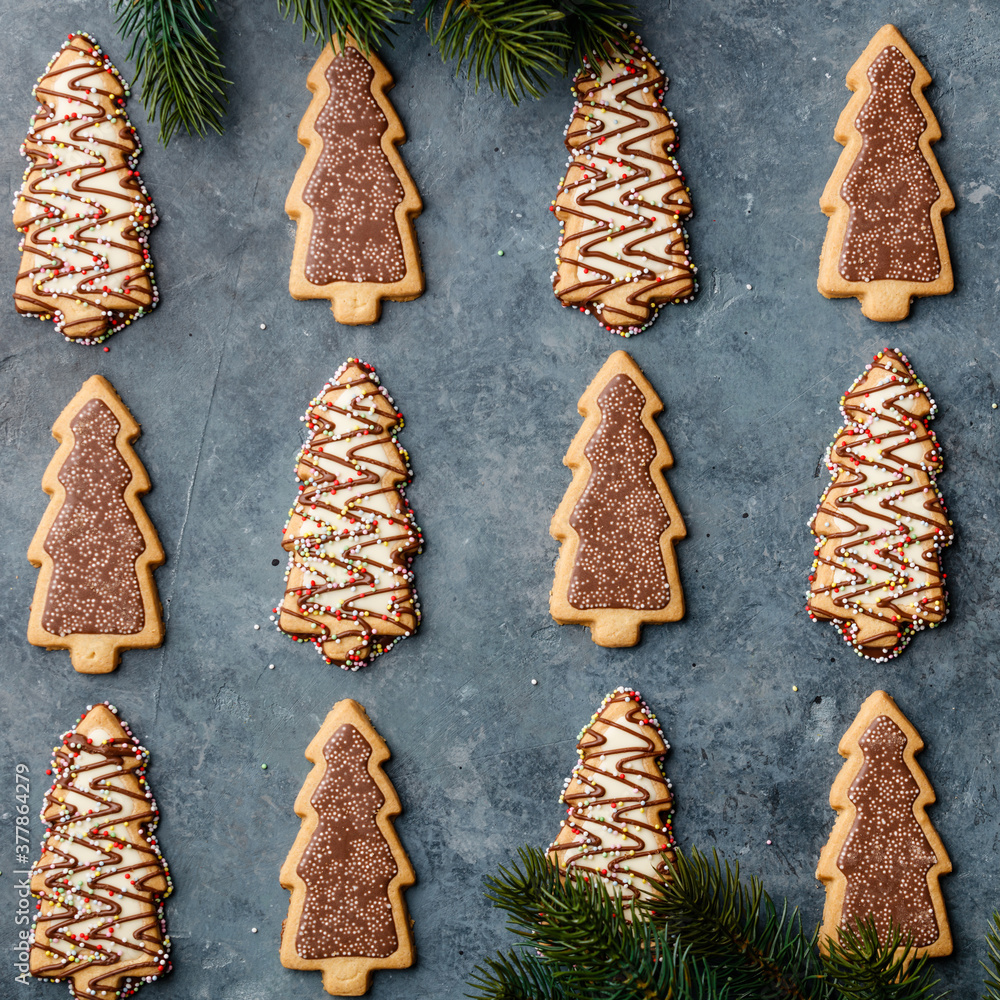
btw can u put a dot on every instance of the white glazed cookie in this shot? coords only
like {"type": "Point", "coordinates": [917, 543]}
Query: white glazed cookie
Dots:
{"type": "Point", "coordinates": [881, 524]}
{"type": "Point", "coordinates": [619, 805]}
{"type": "Point", "coordinates": [351, 535]}
{"type": "Point", "coordinates": [82, 207]}
{"type": "Point", "coordinates": [623, 202]}
{"type": "Point", "coordinates": [101, 879]}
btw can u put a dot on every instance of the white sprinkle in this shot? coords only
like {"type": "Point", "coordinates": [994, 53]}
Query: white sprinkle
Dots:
{"type": "Point", "coordinates": [749, 288]}
{"type": "Point", "coordinates": [533, 681]}
{"type": "Point", "coordinates": [256, 628]}
{"type": "Point", "coordinates": [253, 930]}
{"type": "Point", "coordinates": [270, 666]}
{"type": "Point", "coordinates": [263, 326]}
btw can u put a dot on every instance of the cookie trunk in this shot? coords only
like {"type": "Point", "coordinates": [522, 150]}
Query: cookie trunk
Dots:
{"type": "Point", "coordinates": [346, 986]}
{"type": "Point", "coordinates": [98, 654]}
{"type": "Point", "coordinates": [355, 307]}
{"type": "Point", "coordinates": [610, 630]}
{"type": "Point", "coordinates": [886, 302]}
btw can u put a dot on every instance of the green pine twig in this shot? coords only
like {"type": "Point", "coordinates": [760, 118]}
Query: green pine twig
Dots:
{"type": "Point", "coordinates": [593, 25]}
{"type": "Point", "coordinates": [512, 45]}
{"type": "Point", "coordinates": [992, 981]}
{"type": "Point", "coordinates": [737, 927]}
{"type": "Point", "coordinates": [371, 23]}
{"type": "Point", "coordinates": [707, 935]}
{"type": "Point", "coordinates": [582, 945]}
{"type": "Point", "coordinates": [865, 968]}
{"type": "Point", "coordinates": [178, 62]}
{"type": "Point", "coordinates": [518, 975]}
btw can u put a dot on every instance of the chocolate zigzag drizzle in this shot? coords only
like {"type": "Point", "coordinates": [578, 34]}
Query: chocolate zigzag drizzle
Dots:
{"type": "Point", "coordinates": [82, 206]}
{"type": "Point", "coordinates": [881, 524]}
{"type": "Point", "coordinates": [351, 535]}
{"type": "Point", "coordinates": [886, 855]}
{"type": "Point", "coordinates": [101, 878]}
{"type": "Point", "coordinates": [619, 821]}
{"type": "Point", "coordinates": [623, 201]}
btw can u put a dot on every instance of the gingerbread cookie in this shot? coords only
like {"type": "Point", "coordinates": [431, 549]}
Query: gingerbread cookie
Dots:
{"type": "Point", "coordinates": [96, 546]}
{"type": "Point", "coordinates": [352, 196]}
{"type": "Point", "coordinates": [101, 879]}
{"type": "Point", "coordinates": [885, 243]}
{"type": "Point", "coordinates": [884, 858]}
{"type": "Point", "coordinates": [351, 536]}
{"type": "Point", "coordinates": [619, 805]}
{"type": "Point", "coordinates": [623, 202]}
{"type": "Point", "coordinates": [347, 868]}
{"type": "Point", "coordinates": [881, 525]}
{"type": "Point", "coordinates": [618, 522]}
{"type": "Point", "coordinates": [82, 207]}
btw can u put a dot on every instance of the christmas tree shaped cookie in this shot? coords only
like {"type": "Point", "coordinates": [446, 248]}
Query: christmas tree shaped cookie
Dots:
{"type": "Point", "coordinates": [884, 858]}
{"type": "Point", "coordinates": [101, 879]}
{"type": "Point", "coordinates": [82, 207]}
{"type": "Point", "coordinates": [347, 869]}
{"type": "Point", "coordinates": [623, 202]}
{"type": "Point", "coordinates": [885, 242]}
{"type": "Point", "coordinates": [351, 536]}
{"type": "Point", "coordinates": [95, 546]}
{"type": "Point", "coordinates": [618, 522]}
{"type": "Point", "coordinates": [881, 525]}
{"type": "Point", "coordinates": [619, 822]}
{"type": "Point", "coordinates": [352, 196]}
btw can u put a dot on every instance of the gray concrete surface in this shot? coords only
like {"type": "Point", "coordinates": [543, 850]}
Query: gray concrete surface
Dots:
{"type": "Point", "coordinates": [488, 369]}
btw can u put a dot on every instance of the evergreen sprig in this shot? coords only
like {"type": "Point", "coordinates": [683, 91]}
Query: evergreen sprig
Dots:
{"type": "Point", "coordinates": [584, 945]}
{"type": "Point", "coordinates": [737, 926]}
{"type": "Point", "coordinates": [993, 958]}
{"type": "Point", "coordinates": [371, 23]}
{"type": "Point", "coordinates": [511, 44]}
{"type": "Point", "coordinates": [515, 47]}
{"type": "Point", "coordinates": [865, 968]}
{"type": "Point", "coordinates": [178, 61]}
{"type": "Point", "coordinates": [709, 935]}
{"type": "Point", "coordinates": [594, 24]}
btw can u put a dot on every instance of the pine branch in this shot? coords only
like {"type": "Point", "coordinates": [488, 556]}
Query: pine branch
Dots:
{"type": "Point", "coordinates": [992, 982]}
{"type": "Point", "coordinates": [594, 24]}
{"type": "Point", "coordinates": [511, 44]}
{"type": "Point", "coordinates": [738, 928]}
{"type": "Point", "coordinates": [518, 975]}
{"type": "Point", "coordinates": [582, 938]}
{"type": "Point", "coordinates": [866, 969]}
{"type": "Point", "coordinates": [370, 22]}
{"type": "Point", "coordinates": [173, 44]}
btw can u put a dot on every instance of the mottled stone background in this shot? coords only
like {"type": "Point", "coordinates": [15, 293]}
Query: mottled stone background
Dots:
{"type": "Point", "coordinates": [488, 368]}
